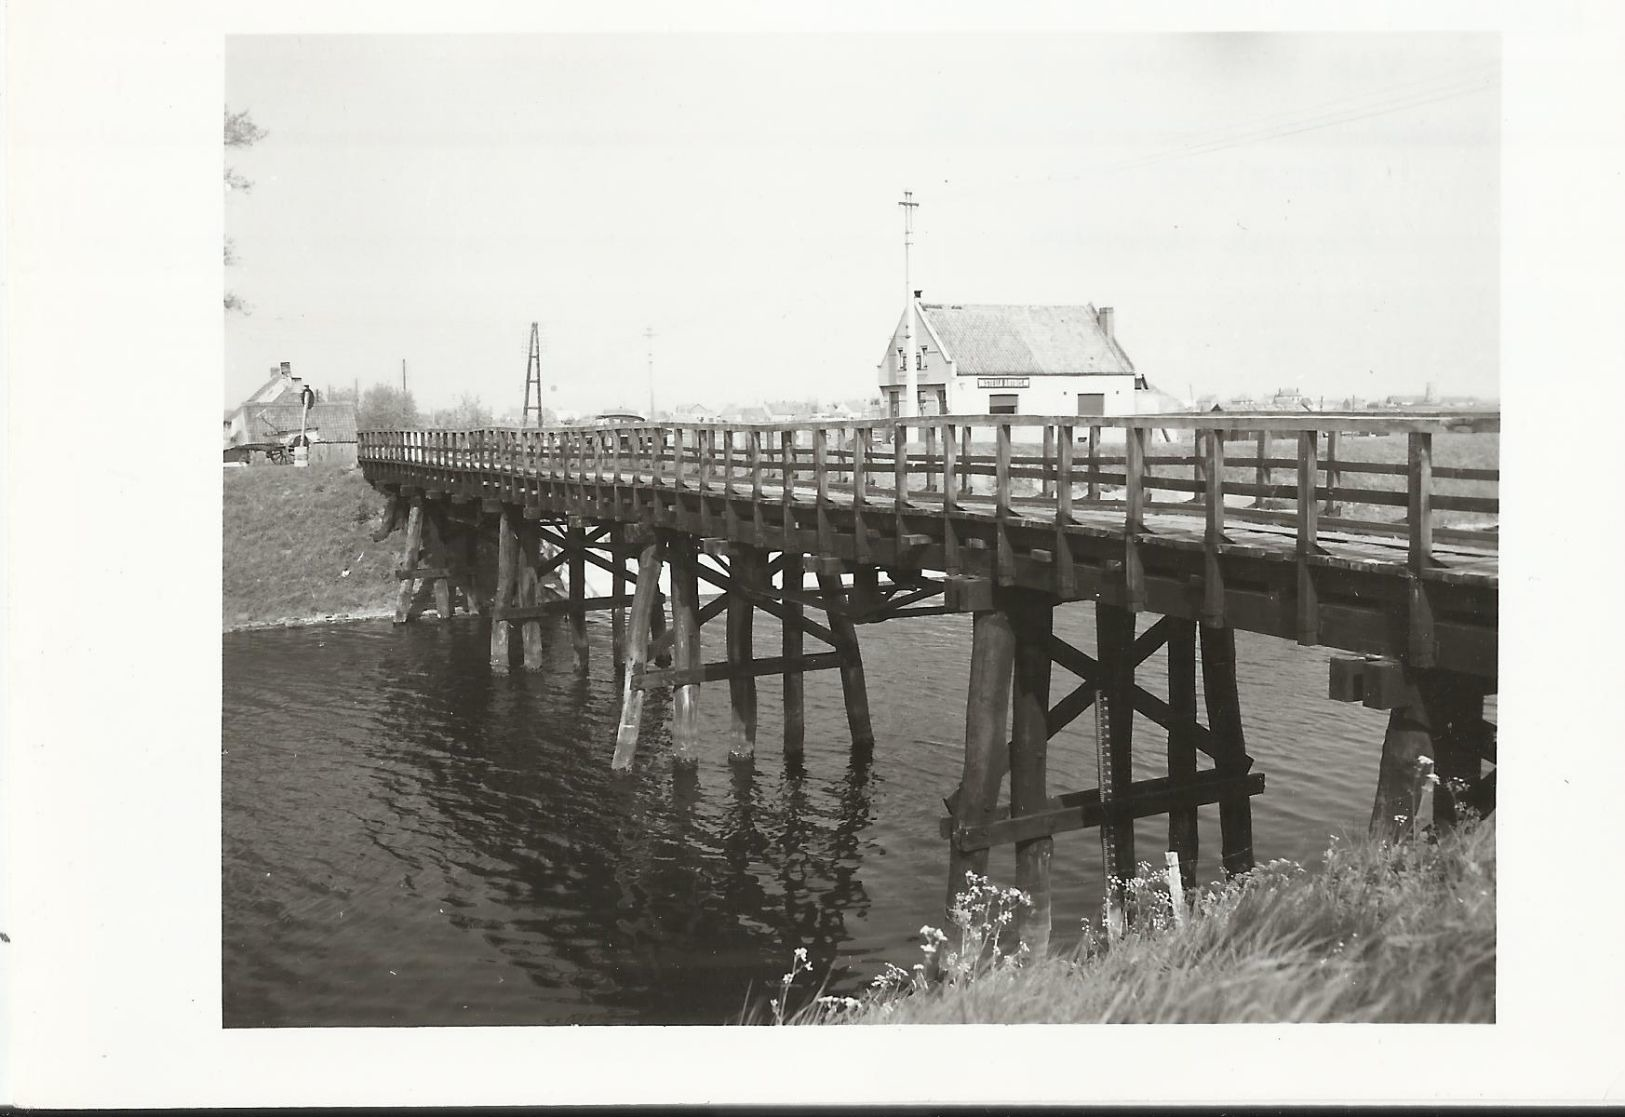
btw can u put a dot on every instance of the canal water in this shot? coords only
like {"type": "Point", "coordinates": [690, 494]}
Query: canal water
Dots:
{"type": "Point", "coordinates": [412, 839]}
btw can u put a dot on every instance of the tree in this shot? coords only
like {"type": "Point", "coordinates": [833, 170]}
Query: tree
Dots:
{"type": "Point", "coordinates": [469, 414]}
{"type": "Point", "coordinates": [240, 132]}
{"type": "Point", "coordinates": [386, 408]}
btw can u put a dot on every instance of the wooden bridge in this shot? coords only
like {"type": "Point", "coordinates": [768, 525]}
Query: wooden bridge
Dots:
{"type": "Point", "coordinates": [1302, 526]}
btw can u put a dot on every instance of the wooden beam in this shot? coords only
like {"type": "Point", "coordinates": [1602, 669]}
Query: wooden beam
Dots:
{"type": "Point", "coordinates": [748, 571]}
{"type": "Point", "coordinates": [529, 594]}
{"type": "Point", "coordinates": [506, 585]}
{"type": "Point", "coordinates": [686, 647]}
{"type": "Point", "coordinates": [617, 590]}
{"type": "Point", "coordinates": [1114, 638]}
{"type": "Point", "coordinates": [765, 604]}
{"type": "Point", "coordinates": [1082, 810]}
{"type": "Point", "coordinates": [854, 689]}
{"type": "Point", "coordinates": [410, 546]}
{"type": "Point", "coordinates": [795, 725]}
{"type": "Point", "coordinates": [1308, 538]}
{"type": "Point", "coordinates": [1183, 838]}
{"type": "Point", "coordinates": [1213, 534]}
{"type": "Point", "coordinates": [648, 679]}
{"type": "Point", "coordinates": [1219, 685]}
{"type": "Point", "coordinates": [643, 606]}
{"type": "Point", "coordinates": [1031, 621]}
{"type": "Point", "coordinates": [987, 713]}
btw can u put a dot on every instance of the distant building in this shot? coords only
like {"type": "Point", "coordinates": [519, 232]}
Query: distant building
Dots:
{"type": "Point", "coordinates": [270, 417]}
{"type": "Point", "coordinates": [1015, 360]}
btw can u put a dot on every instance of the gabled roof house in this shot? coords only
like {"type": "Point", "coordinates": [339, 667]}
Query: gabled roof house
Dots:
{"type": "Point", "coordinates": [1013, 359]}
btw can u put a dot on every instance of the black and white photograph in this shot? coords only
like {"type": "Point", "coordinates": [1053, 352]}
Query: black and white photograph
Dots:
{"type": "Point", "coordinates": [1139, 600]}
{"type": "Point", "coordinates": [737, 530]}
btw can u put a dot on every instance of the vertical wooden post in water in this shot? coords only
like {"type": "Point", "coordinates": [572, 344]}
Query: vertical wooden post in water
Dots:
{"type": "Point", "coordinates": [657, 630]}
{"type": "Point", "coordinates": [644, 600]}
{"type": "Point", "coordinates": [1031, 622]}
{"type": "Point", "coordinates": [575, 540]}
{"type": "Point", "coordinates": [1182, 748]}
{"type": "Point", "coordinates": [1114, 641]}
{"type": "Point", "coordinates": [748, 568]}
{"type": "Point", "coordinates": [987, 713]}
{"type": "Point", "coordinates": [409, 560]}
{"type": "Point", "coordinates": [528, 541]}
{"type": "Point", "coordinates": [1230, 745]}
{"type": "Point", "coordinates": [853, 687]}
{"type": "Point", "coordinates": [795, 723]}
{"type": "Point", "coordinates": [617, 587]}
{"type": "Point", "coordinates": [435, 532]}
{"type": "Point", "coordinates": [685, 623]}
{"type": "Point", "coordinates": [503, 595]}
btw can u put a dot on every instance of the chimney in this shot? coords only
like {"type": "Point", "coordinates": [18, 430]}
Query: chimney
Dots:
{"type": "Point", "coordinates": [1104, 317]}
{"type": "Point", "coordinates": [917, 294]}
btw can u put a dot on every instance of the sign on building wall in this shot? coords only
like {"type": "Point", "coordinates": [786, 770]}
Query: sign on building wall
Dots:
{"type": "Point", "coordinates": [1002, 382]}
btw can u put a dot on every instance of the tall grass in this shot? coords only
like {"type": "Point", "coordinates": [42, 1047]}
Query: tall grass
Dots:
{"type": "Point", "coordinates": [1381, 933]}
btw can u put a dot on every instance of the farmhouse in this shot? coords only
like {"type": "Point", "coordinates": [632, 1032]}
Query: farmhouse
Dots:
{"type": "Point", "coordinates": [1015, 360]}
{"type": "Point", "coordinates": [270, 417]}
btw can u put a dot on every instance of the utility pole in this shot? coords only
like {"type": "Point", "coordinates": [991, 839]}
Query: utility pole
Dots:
{"type": "Point", "coordinates": [403, 376]}
{"type": "Point", "coordinates": [533, 378]}
{"type": "Point", "coordinates": [911, 379]}
{"type": "Point", "coordinates": [649, 337]}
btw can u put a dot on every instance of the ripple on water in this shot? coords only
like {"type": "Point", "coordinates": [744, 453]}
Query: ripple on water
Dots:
{"type": "Point", "coordinates": [412, 838]}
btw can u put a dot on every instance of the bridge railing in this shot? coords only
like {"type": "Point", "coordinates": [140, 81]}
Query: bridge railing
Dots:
{"type": "Point", "coordinates": [1425, 478]}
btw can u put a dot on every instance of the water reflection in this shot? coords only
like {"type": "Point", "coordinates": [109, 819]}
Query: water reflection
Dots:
{"type": "Point", "coordinates": [411, 838]}
{"type": "Point", "coordinates": [661, 895]}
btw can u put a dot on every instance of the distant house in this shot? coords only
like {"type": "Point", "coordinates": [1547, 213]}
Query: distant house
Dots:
{"type": "Point", "coordinates": [271, 415]}
{"type": "Point", "coordinates": [1014, 360]}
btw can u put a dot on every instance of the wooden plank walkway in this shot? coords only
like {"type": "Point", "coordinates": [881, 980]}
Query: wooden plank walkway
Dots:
{"type": "Point", "coordinates": [1342, 552]}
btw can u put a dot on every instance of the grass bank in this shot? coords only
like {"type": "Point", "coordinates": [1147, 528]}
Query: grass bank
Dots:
{"type": "Point", "coordinates": [1378, 934]}
{"type": "Point", "coordinates": [297, 547]}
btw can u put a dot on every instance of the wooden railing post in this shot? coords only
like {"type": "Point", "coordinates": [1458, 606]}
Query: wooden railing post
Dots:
{"type": "Point", "coordinates": [826, 534]}
{"type": "Point", "coordinates": [860, 482]}
{"type": "Point", "coordinates": [1261, 476]}
{"type": "Point", "coordinates": [1333, 478]}
{"type": "Point", "coordinates": [1419, 523]}
{"type": "Point", "coordinates": [1213, 535]}
{"type": "Point", "coordinates": [1004, 561]}
{"type": "Point", "coordinates": [1092, 494]}
{"type": "Point", "coordinates": [753, 443]}
{"type": "Point", "coordinates": [1133, 518]}
{"type": "Point", "coordinates": [787, 489]}
{"type": "Point", "coordinates": [1308, 530]}
{"type": "Point", "coordinates": [1065, 575]}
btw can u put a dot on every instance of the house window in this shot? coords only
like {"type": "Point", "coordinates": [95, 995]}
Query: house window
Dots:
{"type": "Point", "coordinates": [1002, 404]}
{"type": "Point", "coordinates": [1091, 403]}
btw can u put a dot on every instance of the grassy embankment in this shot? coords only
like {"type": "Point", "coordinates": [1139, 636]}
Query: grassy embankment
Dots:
{"type": "Point", "coordinates": [290, 536]}
{"type": "Point", "coordinates": [1393, 934]}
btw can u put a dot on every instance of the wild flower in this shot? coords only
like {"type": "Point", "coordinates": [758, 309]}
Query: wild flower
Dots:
{"type": "Point", "coordinates": [797, 964]}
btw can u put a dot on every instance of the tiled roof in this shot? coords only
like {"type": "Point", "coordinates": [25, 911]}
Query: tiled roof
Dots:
{"type": "Point", "coordinates": [334, 421]}
{"type": "Point", "coordinates": [985, 340]}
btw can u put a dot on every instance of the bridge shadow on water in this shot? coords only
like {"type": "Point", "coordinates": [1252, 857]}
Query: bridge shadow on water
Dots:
{"type": "Point", "coordinates": [488, 853]}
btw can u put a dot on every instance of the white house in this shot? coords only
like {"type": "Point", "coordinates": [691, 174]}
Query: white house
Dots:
{"type": "Point", "coordinates": [1015, 360]}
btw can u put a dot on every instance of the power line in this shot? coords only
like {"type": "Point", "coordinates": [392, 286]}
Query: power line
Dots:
{"type": "Point", "coordinates": [1296, 127]}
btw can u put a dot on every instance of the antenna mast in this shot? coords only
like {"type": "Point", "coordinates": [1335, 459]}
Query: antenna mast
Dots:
{"type": "Point", "coordinates": [533, 378]}
{"type": "Point", "coordinates": [911, 380]}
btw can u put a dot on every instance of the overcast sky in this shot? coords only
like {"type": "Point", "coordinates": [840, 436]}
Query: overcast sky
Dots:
{"type": "Point", "coordinates": [1318, 211]}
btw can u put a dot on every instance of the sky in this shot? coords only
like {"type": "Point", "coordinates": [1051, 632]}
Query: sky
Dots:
{"type": "Point", "coordinates": [1315, 211]}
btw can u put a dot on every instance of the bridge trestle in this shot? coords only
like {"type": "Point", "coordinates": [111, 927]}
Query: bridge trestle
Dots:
{"type": "Point", "coordinates": [1009, 722]}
